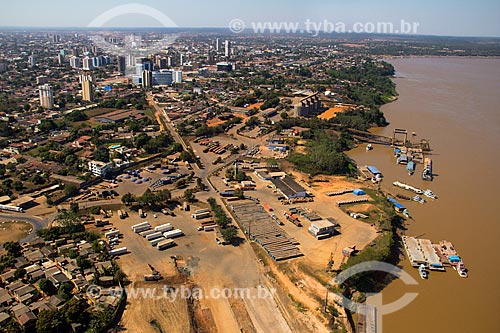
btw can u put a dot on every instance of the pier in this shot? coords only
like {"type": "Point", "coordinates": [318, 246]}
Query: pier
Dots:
{"type": "Point", "coordinates": [413, 251]}
{"type": "Point", "coordinates": [430, 255]}
{"type": "Point", "coordinates": [395, 140]}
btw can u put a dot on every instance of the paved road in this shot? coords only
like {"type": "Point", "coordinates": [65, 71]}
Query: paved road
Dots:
{"type": "Point", "coordinates": [37, 222]}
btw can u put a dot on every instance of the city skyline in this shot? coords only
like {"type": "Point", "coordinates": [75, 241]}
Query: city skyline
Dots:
{"type": "Point", "coordinates": [444, 18]}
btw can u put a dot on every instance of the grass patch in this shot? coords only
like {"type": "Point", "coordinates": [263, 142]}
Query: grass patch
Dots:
{"type": "Point", "coordinates": [98, 111]}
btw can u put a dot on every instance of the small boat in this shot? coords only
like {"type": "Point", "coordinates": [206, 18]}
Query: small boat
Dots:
{"type": "Point", "coordinates": [413, 133]}
{"type": "Point", "coordinates": [406, 213]}
{"type": "Point", "coordinates": [369, 147]}
{"type": "Point", "coordinates": [402, 159]}
{"type": "Point", "coordinates": [429, 194]}
{"type": "Point", "coordinates": [462, 271]}
{"type": "Point", "coordinates": [411, 168]}
{"type": "Point", "coordinates": [418, 199]}
{"type": "Point", "coordinates": [404, 197]}
{"type": "Point", "coordinates": [427, 172]}
{"type": "Point", "coordinates": [422, 272]}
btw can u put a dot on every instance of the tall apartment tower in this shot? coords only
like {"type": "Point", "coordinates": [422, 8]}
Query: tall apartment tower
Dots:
{"type": "Point", "coordinates": [121, 64]}
{"type": "Point", "coordinates": [46, 96]}
{"type": "Point", "coordinates": [147, 79]}
{"type": "Point", "coordinates": [217, 45]}
{"type": "Point", "coordinates": [87, 90]}
{"type": "Point", "coordinates": [227, 48]}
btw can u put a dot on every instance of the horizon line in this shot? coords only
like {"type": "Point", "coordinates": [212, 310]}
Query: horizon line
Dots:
{"type": "Point", "coordinates": [246, 31]}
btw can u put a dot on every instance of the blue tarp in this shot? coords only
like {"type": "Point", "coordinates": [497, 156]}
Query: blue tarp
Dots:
{"type": "Point", "coordinates": [454, 258]}
{"type": "Point", "coordinates": [396, 204]}
{"type": "Point", "coordinates": [373, 170]}
{"type": "Point", "coordinates": [358, 192]}
{"type": "Point", "coordinates": [397, 150]}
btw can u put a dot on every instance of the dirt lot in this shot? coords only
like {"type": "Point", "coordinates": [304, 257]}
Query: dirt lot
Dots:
{"type": "Point", "coordinates": [209, 265]}
{"type": "Point", "coordinates": [12, 231]}
{"type": "Point", "coordinates": [332, 112]}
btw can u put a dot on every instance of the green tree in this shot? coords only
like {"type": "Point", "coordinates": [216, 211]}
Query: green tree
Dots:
{"type": "Point", "coordinates": [47, 287]}
{"type": "Point", "coordinates": [13, 248]}
{"type": "Point", "coordinates": [49, 322]}
{"type": "Point", "coordinates": [70, 190]}
{"type": "Point", "coordinates": [229, 234]}
{"type": "Point", "coordinates": [128, 198]}
{"type": "Point", "coordinates": [20, 273]}
{"type": "Point", "coordinates": [18, 185]}
{"type": "Point", "coordinates": [189, 195]}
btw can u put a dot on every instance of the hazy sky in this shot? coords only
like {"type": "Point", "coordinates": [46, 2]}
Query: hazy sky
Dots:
{"type": "Point", "coordinates": [436, 17]}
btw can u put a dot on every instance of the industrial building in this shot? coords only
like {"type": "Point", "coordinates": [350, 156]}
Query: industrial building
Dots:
{"type": "Point", "coordinates": [307, 106]}
{"type": "Point", "coordinates": [322, 229]}
{"type": "Point", "coordinates": [289, 188]}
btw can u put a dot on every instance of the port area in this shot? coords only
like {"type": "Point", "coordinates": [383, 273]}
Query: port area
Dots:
{"type": "Point", "coordinates": [435, 257]}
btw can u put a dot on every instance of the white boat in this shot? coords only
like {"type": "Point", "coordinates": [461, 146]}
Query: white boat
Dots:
{"type": "Point", "coordinates": [462, 271]}
{"type": "Point", "coordinates": [428, 193]}
{"type": "Point", "coordinates": [418, 199]}
{"type": "Point", "coordinates": [369, 147]}
{"type": "Point", "coordinates": [422, 272]}
{"type": "Point", "coordinates": [406, 213]}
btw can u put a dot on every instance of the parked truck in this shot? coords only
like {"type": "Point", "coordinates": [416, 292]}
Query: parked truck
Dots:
{"type": "Point", "coordinates": [173, 233]}
{"type": "Point", "coordinates": [142, 214]}
{"type": "Point", "coordinates": [198, 216]}
{"type": "Point", "coordinates": [164, 227]}
{"type": "Point", "coordinates": [112, 233]}
{"type": "Point", "coordinates": [154, 236]}
{"type": "Point", "coordinates": [119, 251]}
{"type": "Point", "coordinates": [165, 244]}
{"type": "Point", "coordinates": [147, 232]}
{"type": "Point", "coordinates": [154, 242]}
{"type": "Point", "coordinates": [139, 225]}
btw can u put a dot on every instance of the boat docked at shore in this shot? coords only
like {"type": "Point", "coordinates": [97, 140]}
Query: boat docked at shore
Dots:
{"type": "Point", "coordinates": [408, 187]}
{"type": "Point", "coordinates": [411, 168]}
{"type": "Point", "coordinates": [418, 199]}
{"type": "Point", "coordinates": [369, 147]}
{"type": "Point", "coordinates": [422, 272]}
{"type": "Point", "coordinates": [427, 172]}
{"type": "Point", "coordinates": [461, 270]}
{"type": "Point", "coordinates": [429, 194]}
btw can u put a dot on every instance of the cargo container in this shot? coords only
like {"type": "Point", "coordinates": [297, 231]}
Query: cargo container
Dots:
{"type": "Point", "coordinates": [200, 215]}
{"type": "Point", "coordinates": [141, 229]}
{"type": "Point", "coordinates": [154, 236]}
{"type": "Point", "coordinates": [209, 227]}
{"type": "Point", "coordinates": [173, 233]}
{"type": "Point", "coordinates": [11, 208]}
{"type": "Point", "coordinates": [204, 223]}
{"type": "Point", "coordinates": [155, 241]}
{"type": "Point", "coordinates": [227, 193]}
{"type": "Point", "coordinates": [147, 232]}
{"type": "Point", "coordinates": [140, 225]}
{"type": "Point", "coordinates": [119, 251]}
{"type": "Point", "coordinates": [165, 244]}
{"type": "Point", "coordinates": [268, 208]}
{"type": "Point", "coordinates": [164, 227]}
{"type": "Point", "coordinates": [199, 211]}
{"type": "Point", "coordinates": [112, 233]}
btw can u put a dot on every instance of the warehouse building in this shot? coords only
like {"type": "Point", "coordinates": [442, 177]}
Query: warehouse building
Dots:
{"type": "Point", "coordinates": [289, 188]}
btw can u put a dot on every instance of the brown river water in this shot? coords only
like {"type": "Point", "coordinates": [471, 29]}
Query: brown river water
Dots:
{"type": "Point", "coordinates": [455, 103]}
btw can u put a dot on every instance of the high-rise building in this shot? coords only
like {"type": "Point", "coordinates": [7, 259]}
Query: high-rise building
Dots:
{"type": "Point", "coordinates": [31, 61]}
{"type": "Point", "coordinates": [121, 64]}
{"type": "Point", "coordinates": [74, 62]}
{"type": "Point", "coordinates": [177, 76]}
{"type": "Point", "coordinates": [182, 59]}
{"type": "Point", "coordinates": [56, 39]}
{"type": "Point", "coordinates": [60, 59]}
{"type": "Point", "coordinates": [3, 67]}
{"type": "Point", "coordinates": [130, 60]}
{"type": "Point", "coordinates": [217, 45]}
{"type": "Point", "coordinates": [170, 61]}
{"type": "Point", "coordinates": [227, 48]}
{"type": "Point", "coordinates": [88, 63]}
{"type": "Point", "coordinates": [87, 90]}
{"type": "Point", "coordinates": [42, 79]}
{"type": "Point", "coordinates": [46, 96]}
{"type": "Point", "coordinates": [163, 77]}
{"type": "Point", "coordinates": [76, 53]}
{"type": "Point", "coordinates": [147, 79]}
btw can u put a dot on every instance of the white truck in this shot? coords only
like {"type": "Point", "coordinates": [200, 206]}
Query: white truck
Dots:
{"type": "Point", "coordinates": [154, 236]}
{"type": "Point", "coordinates": [164, 227]}
{"type": "Point", "coordinates": [173, 233]}
{"type": "Point", "coordinates": [119, 251]}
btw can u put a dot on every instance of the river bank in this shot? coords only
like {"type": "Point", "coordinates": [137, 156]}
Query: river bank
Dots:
{"type": "Point", "coordinates": [452, 102]}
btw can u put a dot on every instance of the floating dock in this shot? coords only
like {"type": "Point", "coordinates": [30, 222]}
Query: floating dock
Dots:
{"type": "Point", "coordinates": [413, 251]}
{"type": "Point", "coordinates": [430, 255]}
